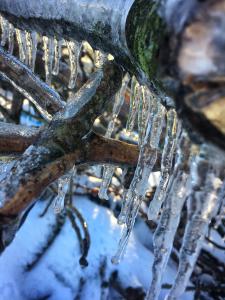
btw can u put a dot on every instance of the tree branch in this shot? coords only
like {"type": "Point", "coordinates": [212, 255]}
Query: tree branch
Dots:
{"type": "Point", "coordinates": [16, 138]}
{"type": "Point", "coordinates": [19, 192]}
{"type": "Point", "coordinates": [61, 144]}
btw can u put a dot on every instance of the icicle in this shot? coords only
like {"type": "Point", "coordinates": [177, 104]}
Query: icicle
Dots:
{"type": "Point", "coordinates": [74, 49]}
{"type": "Point", "coordinates": [143, 96]}
{"type": "Point", "coordinates": [169, 220]}
{"type": "Point", "coordinates": [48, 57]}
{"type": "Point", "coordinates": [122, 216]}
{"type": "Point", "coordinates": [130, 195]}
{"type": "Point", "coordinates": [11, 38]}
{"type": "Point", "coordinates": [130, 220]}
{"type": "Point", "coordinates": [58, 54]}
{"type": "Point", "coordinates": [63, 186]}
{"type": "Point", "coordinates": [5, 31]}
{"type": "Point", "coordinates": [221, 211]}
{"type": "Point", "coordinates": [146, 162]}
{"type": "Point", "coordinates": [202, 206]}
{"type": "Point", "coordinates": [21, 39]}
{"type": "Point", "coordinates": [31, 48]}
{"type": "Point", "coordinates": [134, 104]}
{"type": "Point", "coordinates": [109, 170]}
{"type": "Point", "coordinates": [166, 165]}
{"type": "Point", "coordinates": [99, 58]}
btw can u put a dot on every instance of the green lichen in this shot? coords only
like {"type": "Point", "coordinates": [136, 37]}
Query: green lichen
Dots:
{"type": "Point", "coordinates": [145, 30]}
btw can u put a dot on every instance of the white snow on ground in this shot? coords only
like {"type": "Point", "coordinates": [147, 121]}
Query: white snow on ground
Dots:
{"type": "Point", "coordinates": [61, 261]}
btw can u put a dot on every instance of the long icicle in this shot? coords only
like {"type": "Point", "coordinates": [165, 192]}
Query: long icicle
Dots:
{"type": "Point", "coordinates": [134, 104]}
{"type": "Point", "coordinates": [74, 49]}
{"type": "Point", "coordinates": [202, 206]}
{"type": "Point", "coordinates": [21, 40]}
{"type": "Point", "coordinates": [109, 170]}
{"type": "Point", "coordinates": [11, 38]}
{"type": "Point", "coordinates": [31, 48]}
{"type": "Point", "coordinates": [139, 184]}
{"type": "Point", "coordinates": [146, 109]}
{"type": "Point", "coordinates": [166, 229]}
{"type": "Point", "coordinates": [123, 213]}
{"type": "Point", "coordinates": [48, 57]}
{"type": "Point", "coordinates": [166, 164]}
{"type": "Point", "coordinates": [5, 31]}
{"type": "Point", "coordinates": [58, 53]}
{"type": "Point", "coordinates": [142, 107]}
{"type": "Point", "coordinates": [144, 98]}
{"type": "Point", "coordinates": [63, 186]}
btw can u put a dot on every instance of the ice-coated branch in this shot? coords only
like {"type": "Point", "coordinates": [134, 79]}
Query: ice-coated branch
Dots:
{"type": "Point", "coordinates": [16, 138]}
{"type": "Point", "coordinates": [106, 25]}
{"type": "Point", "coordinates": [70, 126]}
{"type": "Point", "coordinates": [27, 83]}
{"type": "Point", "coordinates": [60, 144]}
{"type": "Point", "coordinates": [140, 34]}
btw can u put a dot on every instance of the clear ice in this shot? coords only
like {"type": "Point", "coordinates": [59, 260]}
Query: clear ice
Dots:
{"type": "Point", "coordinates": [48, 43]}
{"type": "Point", "coordinates": [146, 162]}
{"type": "Point", "coordinates": [170, 217]}
{"type": "Point", "coordinates": [63, 186]}
{"type": "Point", "coordinates": [5, 31]}
{"type": "Point", "coordinates": [166, 164]}
{"type": "Point", "coordinates": [31, 48]}
{"type": "Point", "coordinates": [74, 49]}
{"type": "Point", "coordinates": [11, 38]}
{"type": "Point", "coordinates": [134, 104]}
{"type": "Point", "coordinates": [202, 205]}
{"type": "Point", "coordinates": [109, 170]}
{"type": "Point", "coordinates": [21, 39]}
{"type": "Point", "coordinates": [58, 53]}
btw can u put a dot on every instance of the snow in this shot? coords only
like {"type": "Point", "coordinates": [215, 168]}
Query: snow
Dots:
{"type": "Point", "coordinates": [61, 261]}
